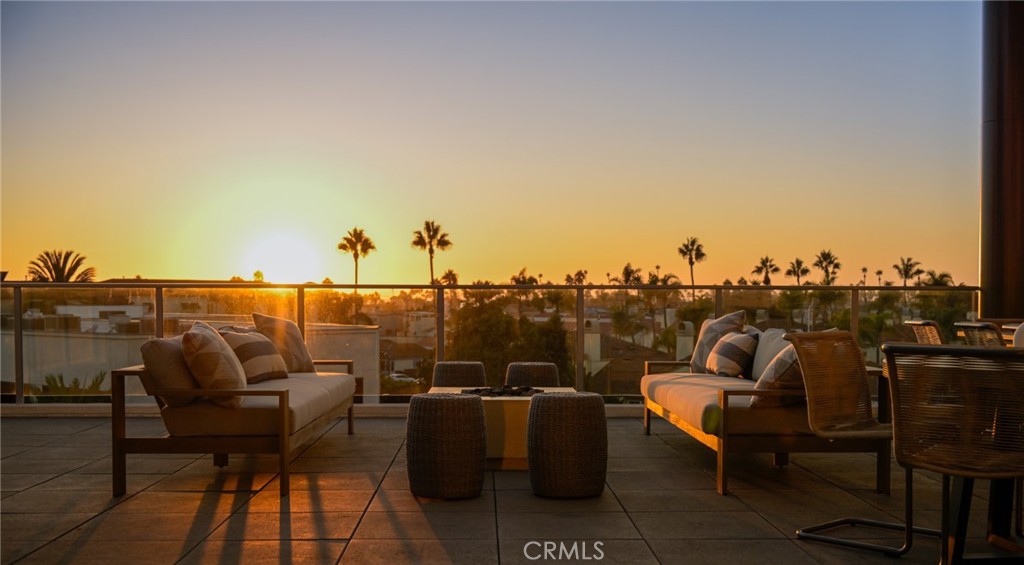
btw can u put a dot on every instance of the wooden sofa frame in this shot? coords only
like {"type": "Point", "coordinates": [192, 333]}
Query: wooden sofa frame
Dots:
{"type": "Point", "coordinates": [282, 443]}
{"type": "Point", "coordinates": [780, 445]}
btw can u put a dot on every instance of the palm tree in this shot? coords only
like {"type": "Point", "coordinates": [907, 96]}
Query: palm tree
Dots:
{"type": "Point", "coordinates": [907, 269]}
{"type": "Point", "coordinates": [450, 278]}
{"type": "Point", "coordinates": [933, 278]}
{"type": "Point", "coordinates": [358, 244]}
{"type": "Point", "coordinates": [60, 266]}
{"type": "Point", "coordinates": [693, 251]}
{"type": "Point", "coordinates": [797, 269]}
{"type": "Point", "coordinates": [863, 276]}
{"type": "Point", "coordinates": [579, 277]}
{"type": "Point", "coordinates": [765, 266]}
{"type": "Point", "coordinates": [878, 274]}
{"type": "Point", "coordinates": [430, 238]}
{"type": "Point", "coordinates": [629, 276]}
{"type": "Point", "coordinates": [829, 265]}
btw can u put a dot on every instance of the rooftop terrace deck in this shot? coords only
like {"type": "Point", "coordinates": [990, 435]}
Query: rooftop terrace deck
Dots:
{"type": "Point", "coordinates": [350, 502]}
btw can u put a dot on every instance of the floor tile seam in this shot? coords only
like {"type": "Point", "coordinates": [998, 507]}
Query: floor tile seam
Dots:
{"type": "Point", "coordinates": [632, 521]}
{"type": "Point", "coordinates": [376, 492]}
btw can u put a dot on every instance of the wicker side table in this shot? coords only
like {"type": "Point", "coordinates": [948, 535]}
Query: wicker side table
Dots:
{"type": "Point", "coordinates": [446, 445]}
{"type": "Point", "coordinates": [567, 444]}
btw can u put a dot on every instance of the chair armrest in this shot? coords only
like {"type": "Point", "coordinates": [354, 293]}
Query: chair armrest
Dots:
{"type": "Point", "coordinates": [659, 365]}
{"type": "Point", "coordinates": [346, 362]}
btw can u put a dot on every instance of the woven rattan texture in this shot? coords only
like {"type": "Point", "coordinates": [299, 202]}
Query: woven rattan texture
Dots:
{"type": "Point", "coordinates": [926, 331]}
{"type": "Point", "coordinates": [468, 374]}
{"type": "Point", "coordinates": [982, 334]}
{"type": "Point", "coordinates": [836, 381]}
{"type": "Point", "coordinates": [567, 444]}
{"type": "Point", "coordinates": [446, 445]}
{"type": "Point", "coordinates": [535, 374]}
{"type": "Point", "coordinates": [958, 410]}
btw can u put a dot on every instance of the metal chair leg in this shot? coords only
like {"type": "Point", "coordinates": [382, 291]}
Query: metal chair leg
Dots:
{"type": "Point", "coordinates": [811, 532]}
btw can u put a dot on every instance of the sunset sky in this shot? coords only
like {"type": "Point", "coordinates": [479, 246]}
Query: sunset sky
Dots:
{"type": "Point", "coordinates": [206, 140]}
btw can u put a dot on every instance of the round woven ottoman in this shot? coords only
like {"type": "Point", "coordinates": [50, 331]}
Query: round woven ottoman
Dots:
{"type": "Point", "coordinates": [535, 374]}
{"type": "Point", "coordinates": [446, 445]}
{"type": "Point", "coordinates": [567, 444]}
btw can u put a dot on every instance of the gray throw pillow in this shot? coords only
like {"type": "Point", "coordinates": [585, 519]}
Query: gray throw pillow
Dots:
{"type": "Point", "coordinates": [773, 340]}
{"type": "Point", "coordinates": [710, 332]}
{"type": "Point", "coordinates": [285, 335]}
{"type": "Point", "coordinates": [783, 373]}
{"type": "Point", "coordinates": [165, 362]}
{"type": "Point", "coordinates": [258, 356]}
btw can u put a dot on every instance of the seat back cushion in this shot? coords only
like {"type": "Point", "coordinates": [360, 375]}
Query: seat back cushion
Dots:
{"type": "Point", "coordinates": [733, 355]}
{"type": "Point", "coordinates": [213, 363]}
{"type": "Point", "coordinates": [258, 356]}
{"type": "Point", "coordinates": [710, 332]}
{"type": "Point", "coordinates": [166, 364]}
{"type": "Point", "coordinates": [285, 335]}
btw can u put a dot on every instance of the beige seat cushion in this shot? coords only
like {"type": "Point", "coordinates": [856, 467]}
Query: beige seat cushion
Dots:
{"type": "Point", "coordinates": [694, 398]}
{"type": "Point", "coordinates": [309, 396]}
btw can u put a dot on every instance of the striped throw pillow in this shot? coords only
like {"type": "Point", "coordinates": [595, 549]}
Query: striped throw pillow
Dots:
{"type": "Point", "coordinates": [782, 373]}
{"type": "Point", "coordinates": [258, 356]}
{"type": "Point", "coordinates": [710, 332]}
{"type": "Point", "coordinates": [733, 355]}
{"type": "Point", "coordinates": [287, 338]}
{"type": "Point", "coordinates": [213, 363]}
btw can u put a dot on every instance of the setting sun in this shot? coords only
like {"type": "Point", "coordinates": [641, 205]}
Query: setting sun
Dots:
{"type": "Point", "coordinates": [283, 257]}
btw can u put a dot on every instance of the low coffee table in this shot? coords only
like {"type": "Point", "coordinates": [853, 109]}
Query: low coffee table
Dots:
{"type": "Point", "coordinates": [505, 418]}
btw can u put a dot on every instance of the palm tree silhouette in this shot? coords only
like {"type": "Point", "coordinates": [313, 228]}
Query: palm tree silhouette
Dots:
{"type": "Point", "coordinates": [932, 278]}
{"type": "Point", "coordinates": [765, 266]}
{"type": "Point", "coordinates": [829, 265]}
{"type": "Point", "coordinates": [797, 269]}
{"type": "Point", "coordinates": [358, 244]}
{"type": "Point", "coordinates": [878, 274]}
{"type": "Point", "coordinates": [693, 251]}
{"type": "Point", "coordinates": [428, 239]}
{"type": "Point", "coordinates": [579, 277]}
{"type": "Point", "coordinates": [450, 278]}
{"type": "Point", "coordinates": [907, 269]}
{"type": "Point", "coordinates": [60, 266]}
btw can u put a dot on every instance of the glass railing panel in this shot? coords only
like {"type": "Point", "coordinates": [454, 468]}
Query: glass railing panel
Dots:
{"type": "Point", "coordinates": [499, 326]}
{"type": "Point", "coordinates": [221, 307]}
{"type": "Point", "coordinates": [74, 337]}
{"type": "Point", "coordinates": [884, 313]}
{"type": "Point", "coordinates": [790, 309]}
{"type": "Point", "coordinates": [390, 334]}
{"type": "Point", "coordinates": [625, 328]}
{"type": "Point", "coordinates": [8, 378]}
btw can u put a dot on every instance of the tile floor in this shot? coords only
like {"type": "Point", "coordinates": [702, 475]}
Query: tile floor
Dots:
{"type": "Point", "coordinates": [350, 504]}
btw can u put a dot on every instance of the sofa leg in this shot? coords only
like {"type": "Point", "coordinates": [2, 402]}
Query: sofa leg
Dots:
{"type": "Point", "coordinates": [220, 459]}
{"type": "Point", "coordinates": [351, 423]}
{"type": "Point", "coordinates": [120, 461]}
{"type": "Point", "coordinates": [780, 459]}
{"type": "Point", "coordinates": [647, 421]}
{"type": "Point", "coordinates": [721, 481]}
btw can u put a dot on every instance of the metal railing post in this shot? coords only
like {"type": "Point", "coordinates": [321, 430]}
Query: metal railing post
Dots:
{"type": "Point", "coordinates": [158, 313]}
{"type": "Point", "coordinates": [719, 303]}
{"type": "Point", "coordinates": [300, 309]}
{"type": "Point", "coordinates": [581, 336]}
{"type": "Point", "coordinates": [439, 315]}
{"type": "Point", "coordinates": [19, 355]}
{"type": "Point", "coordinates": [855, 313]}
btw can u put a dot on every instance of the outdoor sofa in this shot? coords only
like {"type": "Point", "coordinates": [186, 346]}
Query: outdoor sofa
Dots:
{"type": "Point", "coordinates": [267, 414]}
{"type": "Point", "coordinates": [750, 400]}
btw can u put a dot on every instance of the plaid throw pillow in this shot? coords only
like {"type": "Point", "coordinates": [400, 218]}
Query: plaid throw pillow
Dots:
{"type": "Point", "coordinates": [733, 355]}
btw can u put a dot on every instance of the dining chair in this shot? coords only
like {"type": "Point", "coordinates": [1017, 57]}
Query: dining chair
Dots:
{"type": "Point", "coordinates": [533, 374]}
{"type": "Point", "coordinates": [839, 407]}
{"type": "Point", "coordinates": [468, 374]}
{"type": "Point", "coordinates": [925, 331]}
{"type": "Point", "coordinates": [974, 432]}
{"type": "Point", "coordinates": [984, 334]}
